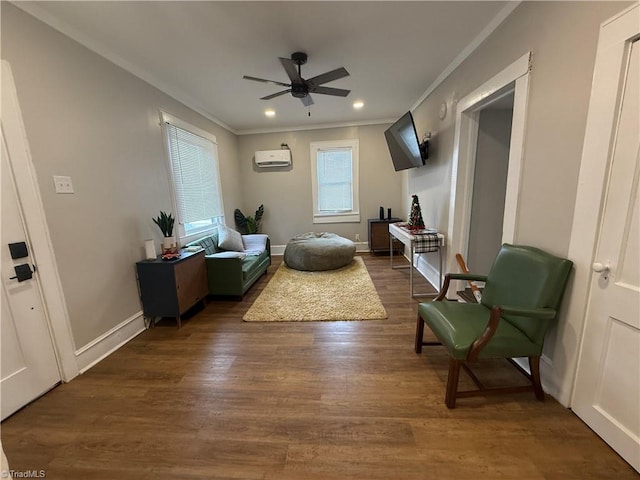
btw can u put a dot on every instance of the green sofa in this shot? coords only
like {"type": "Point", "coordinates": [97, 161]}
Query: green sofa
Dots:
{"type": "Point", "coordinates": [228, 273]}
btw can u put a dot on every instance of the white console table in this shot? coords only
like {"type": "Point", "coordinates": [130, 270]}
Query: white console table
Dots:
{"type": "Point", "coordinates": [409, 239]}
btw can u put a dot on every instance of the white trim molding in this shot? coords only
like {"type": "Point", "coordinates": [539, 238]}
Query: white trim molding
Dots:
{"type": "Point", "coordinates": [469, 49]}
{"type": "Point", "coordinates": [613, 48]}
{"type": "Point", "coordinates": [514, 78]}
{"type": "Point", "coordinates": [278, 250]}
{"type": "Point", "coordinates": [36, 223]}
{"type": "Point", "coordinates": [107, 343]}
{"type": "Point", "coordinates": [353, 215]}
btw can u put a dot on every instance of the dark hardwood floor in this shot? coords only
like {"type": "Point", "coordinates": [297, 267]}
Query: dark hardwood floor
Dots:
{"type": "Point", "coordinates": [224, 399]}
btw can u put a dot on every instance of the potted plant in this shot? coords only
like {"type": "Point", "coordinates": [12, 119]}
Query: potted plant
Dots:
{"type": "Point", "coordinates": [248, 225]}
{"type": "Point", "coordinates": [165, 223]}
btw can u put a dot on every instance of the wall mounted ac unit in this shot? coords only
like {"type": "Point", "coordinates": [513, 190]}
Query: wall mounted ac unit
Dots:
{"type": "Point", "coordinates": [273, 158]}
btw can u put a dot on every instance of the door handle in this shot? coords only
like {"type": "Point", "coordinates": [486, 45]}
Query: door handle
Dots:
{"type": "Point", "coordinates": [23, 272]}
{"type": "Point", "coordinates": [600, 267]}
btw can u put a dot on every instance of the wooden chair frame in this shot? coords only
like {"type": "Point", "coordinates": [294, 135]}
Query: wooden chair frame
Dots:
{"type": "Point", "coordinates": [452, 392]}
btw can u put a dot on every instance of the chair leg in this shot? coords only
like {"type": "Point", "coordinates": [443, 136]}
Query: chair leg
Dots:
{"type": "Point", "coordinates": [452, 383]}
{"type": "Point", "coordinates": [534, 366]}
{"type": "Point", "coordinates": [419, 334]}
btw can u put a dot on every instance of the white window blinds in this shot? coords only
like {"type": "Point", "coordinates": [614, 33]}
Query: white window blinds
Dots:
{"type": "Point", "coordinates": [195, 175]}
{"type": "Point", "coordinates": [335, 180]}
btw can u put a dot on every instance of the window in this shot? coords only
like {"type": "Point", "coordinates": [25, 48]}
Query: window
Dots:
{"type": "Point", "coordinates": [193, 163]}
{"type": "Point", "coordinates": [334, 169]}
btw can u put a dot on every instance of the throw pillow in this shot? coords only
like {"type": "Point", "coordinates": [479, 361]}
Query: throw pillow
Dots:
{"type": "Point", "coordinates": [229, 239]}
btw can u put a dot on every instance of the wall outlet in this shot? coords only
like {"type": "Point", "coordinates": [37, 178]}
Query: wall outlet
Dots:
{"type": "Point", "coordinates": [357, 237]}
{"type": "Point", "coordinates": [63, 184]}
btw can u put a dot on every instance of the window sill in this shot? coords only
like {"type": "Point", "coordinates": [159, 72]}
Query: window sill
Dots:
{"type": "Point", "coordinates": [337, 218]}
{"type": "Point", "coordinates": [196, 235]}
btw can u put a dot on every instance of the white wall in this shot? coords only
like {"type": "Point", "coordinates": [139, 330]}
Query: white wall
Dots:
{"type": "Point", "coordinates": [286, 194]}
{"type": "Point", "coordinates": [91, 120]}
{"type": "Point", "coordinates": [562, 37]}
{"type": "Point", "coordinates": [489, 188]}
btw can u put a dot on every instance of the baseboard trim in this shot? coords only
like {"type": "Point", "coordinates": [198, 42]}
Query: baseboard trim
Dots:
{"type": "Point", "coordinates": [361, 247]}
{"type": "Point", "coordinates": [109, 342]}
{"type": "Point", "coordinates": [428, 271]}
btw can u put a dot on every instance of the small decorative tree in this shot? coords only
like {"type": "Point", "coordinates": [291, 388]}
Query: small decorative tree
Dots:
{"type": "Point", "coordinates": [415, 219]}
{"type": "Point", "coordinates": [248, 225]}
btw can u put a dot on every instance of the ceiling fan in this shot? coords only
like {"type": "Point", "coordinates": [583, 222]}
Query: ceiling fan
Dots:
{"type": "Point", "coordinates": [301, 88]}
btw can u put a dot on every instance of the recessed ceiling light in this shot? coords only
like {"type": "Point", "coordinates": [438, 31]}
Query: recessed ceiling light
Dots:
{"type": "Point", "coordinates": [270, 113]}
{"type": "Point", "coordinates": [358, 104]}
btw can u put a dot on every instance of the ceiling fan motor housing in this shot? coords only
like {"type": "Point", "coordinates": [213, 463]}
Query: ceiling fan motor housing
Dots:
{"type": "Point", "coordinates": [299, 58]}
{"type": "Point", "coordinates": [299, 90]}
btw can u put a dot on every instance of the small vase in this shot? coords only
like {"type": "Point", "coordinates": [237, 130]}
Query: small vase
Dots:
{"type": "Point", "coordinates": [169, 245]}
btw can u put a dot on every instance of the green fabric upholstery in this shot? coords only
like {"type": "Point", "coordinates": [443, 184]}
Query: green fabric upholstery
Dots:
{"type": "Point", "coordinates": [530, 278]}
{"type": "Point", "coordinates": [458, 325]}
{"type": "Point", "coordinates": [231, 276]}
{"type": "Point", "coordinates": [520, 300]}
{"type": "Point", "coordinates": [521, 276]}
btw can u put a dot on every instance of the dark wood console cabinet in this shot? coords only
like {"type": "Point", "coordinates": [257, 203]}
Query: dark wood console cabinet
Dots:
{"type": "Point", "coordinates": [379, 235]}
{"type": "Point", "coordinates": [170, 288]}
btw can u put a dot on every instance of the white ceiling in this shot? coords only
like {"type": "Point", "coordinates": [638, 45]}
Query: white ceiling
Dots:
{"type": "Point", "coordinates": [198, 52]}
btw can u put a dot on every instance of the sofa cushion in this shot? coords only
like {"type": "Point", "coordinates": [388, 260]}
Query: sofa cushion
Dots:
{"type": "Point", "coordinates": [250, 263]}
{"type": "Point", "coordinates": [229, 239]}
{"type": "Point", "coordinates": [229, 254]}
{"type": "Point", "coordinates": [458, 325]}
{"type": "Point", "coordinates": [254, 244]}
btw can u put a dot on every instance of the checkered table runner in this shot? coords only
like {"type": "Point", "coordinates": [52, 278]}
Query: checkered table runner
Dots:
{"type": "Point", "coordinates": [426, 242]}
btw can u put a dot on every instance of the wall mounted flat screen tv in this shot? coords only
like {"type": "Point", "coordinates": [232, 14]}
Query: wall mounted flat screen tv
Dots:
{"type": "Point", "coordinates": [404, 147]}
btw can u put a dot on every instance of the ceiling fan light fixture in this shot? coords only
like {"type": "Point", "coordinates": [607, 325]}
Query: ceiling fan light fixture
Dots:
{"type": "Point", "coordinates": [300, 87]}
{"type": "Point", "coordinates": [270, 113]}
{"type": "Point", "coordinates": [358, 104]}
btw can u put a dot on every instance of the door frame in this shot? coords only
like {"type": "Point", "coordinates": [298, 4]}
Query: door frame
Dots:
{"type": "Point", "coordinates": [26, 182]}
{"type": "Point", "coordinates": [614, 44]}
{"type": "Point", "coordinates": [514, 78]}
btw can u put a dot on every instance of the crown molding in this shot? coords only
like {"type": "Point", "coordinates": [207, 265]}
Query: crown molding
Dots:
{"type": "Point", "coordinates": [284, 128]}
{"type": "Point", "coordinates": [104, 52]}
{"type": "Point", "coordinates": [469, 49]}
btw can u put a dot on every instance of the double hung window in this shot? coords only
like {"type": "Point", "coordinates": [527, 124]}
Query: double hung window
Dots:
{"type": "Point", "coordinates": [193, 163]}
{"type": "Point", "coordinates": [334, 168]}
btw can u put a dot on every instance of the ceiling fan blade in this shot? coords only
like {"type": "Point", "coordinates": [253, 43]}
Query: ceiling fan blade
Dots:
{"type": "Point", "coordinates": [291, 69]}
{"type": "Point", "coordinates": [307, 100]}
{"type": "Point", "coordinates": [274, 95]}
{"type": "Point", "coordinates": [328, 77]}
{"type": "Point", "coordinates": [338, 92]}
{"type": "Point", "coordinates": [264, 80]}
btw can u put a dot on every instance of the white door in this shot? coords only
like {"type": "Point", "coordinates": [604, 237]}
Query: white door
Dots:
{"type": "Point", "coordinates": [29, 367]}
{"type": "Point", "coordinates": [607, 390]}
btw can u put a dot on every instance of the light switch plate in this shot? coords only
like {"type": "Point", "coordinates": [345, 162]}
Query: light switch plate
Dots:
{"type": "Point", "coordinates": [63, 184]}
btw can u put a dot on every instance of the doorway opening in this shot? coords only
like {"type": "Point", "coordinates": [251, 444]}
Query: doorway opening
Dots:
{"type": "Point", "coordinates": [489, 183]}
{"type": "Point", "coordinates": [508, 90]}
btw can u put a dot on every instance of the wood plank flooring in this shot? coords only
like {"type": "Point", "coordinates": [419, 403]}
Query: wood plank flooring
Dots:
{"type": "Point", "coordinates": [224, 399]}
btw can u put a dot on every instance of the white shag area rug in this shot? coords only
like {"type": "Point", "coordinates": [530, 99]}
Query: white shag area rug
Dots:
{"type": "Point", "coordinates": [296, 296]}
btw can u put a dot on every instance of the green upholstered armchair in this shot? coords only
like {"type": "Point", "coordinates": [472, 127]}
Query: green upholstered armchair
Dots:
{"type": "Point", "coordinates": [520, 301]}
